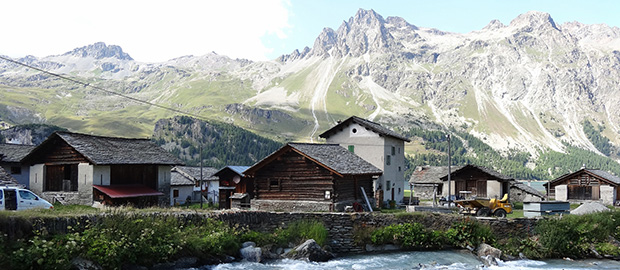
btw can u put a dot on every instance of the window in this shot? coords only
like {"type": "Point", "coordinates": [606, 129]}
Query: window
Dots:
{"type": "Point", "coordinates": [27, 195]}
{"type": "Point", "coordinates": [16, 170]}
{"type": "Point", "coordinates": [399, 168]}
{"type": "Point", "coordinates": [393, 150]}
{"type": "Point", "coordinates": [352, 148]}
{"type": "Point", "coordinates": [274, 184]}
{"type": "Point", "coordinates": [388, 185]}
{"type": "Point", "coordinates": [175, 193]}
{"type": "Point", "coordinates": [388, 160]}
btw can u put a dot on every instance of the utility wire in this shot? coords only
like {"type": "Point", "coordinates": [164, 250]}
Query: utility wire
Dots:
{"type": "Point", "coordinates": [102, 89]}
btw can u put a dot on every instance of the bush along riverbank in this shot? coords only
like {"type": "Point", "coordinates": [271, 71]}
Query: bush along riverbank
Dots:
{"type": "Point", "coordinates": [569, 237]}
{"type": "Point", "coordinates": [125, 240]}
{"type": "Point", "coordinates": [168, 241]}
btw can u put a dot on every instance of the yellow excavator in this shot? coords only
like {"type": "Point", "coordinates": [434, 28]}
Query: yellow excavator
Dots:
{"type": "Point", "coordinates": [483, 207]}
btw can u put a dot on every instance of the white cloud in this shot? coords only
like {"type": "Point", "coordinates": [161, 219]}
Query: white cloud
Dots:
{"type": "Point", "coordinates": [150, 31]}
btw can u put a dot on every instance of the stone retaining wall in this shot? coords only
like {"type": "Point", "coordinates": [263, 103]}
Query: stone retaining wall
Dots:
{"type": "Point", "coordinates": [341, 226]}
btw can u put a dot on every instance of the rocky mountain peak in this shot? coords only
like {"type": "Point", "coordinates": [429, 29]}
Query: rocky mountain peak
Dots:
{"type": "Point", "coordinates": [494, 25]}
{"type": "Point", "coordinates": [100, 50]}
{"type": "Point", "coordinates": [534, 20]}
{"type": "Point", "coordinates": [362, 33]}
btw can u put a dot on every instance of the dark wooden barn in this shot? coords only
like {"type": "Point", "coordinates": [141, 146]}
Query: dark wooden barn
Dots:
{"type": "Point", "coordinates": [477, 181]}
{"type": "Point", "coordinates": [236, 190]}
{"type": "Point", "coordinates": [311, 177]}
{"type": "Point", "coordinates": [79, 168]}
{"type": "Point", "coordinates": [586, 185]}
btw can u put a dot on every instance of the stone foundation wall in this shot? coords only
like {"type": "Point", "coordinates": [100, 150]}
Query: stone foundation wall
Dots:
{"type": "Point", "coordinates": [341, 226]}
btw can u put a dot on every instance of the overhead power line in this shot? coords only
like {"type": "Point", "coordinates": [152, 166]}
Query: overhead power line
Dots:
{"type": "Point", "coordinates": [103, 89]}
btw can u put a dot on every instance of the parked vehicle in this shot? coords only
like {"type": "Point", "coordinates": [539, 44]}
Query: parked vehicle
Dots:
{"type": "Point", "coordinates": [12, 198]}
{"type": "Point", "coordinates": [483, 207]}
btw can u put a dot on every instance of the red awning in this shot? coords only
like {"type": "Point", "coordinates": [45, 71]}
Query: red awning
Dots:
{"type": "Point", "coordinates": [128, 191]}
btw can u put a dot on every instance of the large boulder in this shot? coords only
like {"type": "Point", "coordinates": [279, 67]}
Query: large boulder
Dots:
{"type": "Point", "coordinates": [310, 251]}
{"type": "Point", "coordinates": [488, 254]}
{"type": "Point", "coordinates": [250, 252]}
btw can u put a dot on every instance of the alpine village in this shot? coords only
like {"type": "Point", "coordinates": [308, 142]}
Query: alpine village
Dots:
{"type": "Point", "coordinates": [382, 137]}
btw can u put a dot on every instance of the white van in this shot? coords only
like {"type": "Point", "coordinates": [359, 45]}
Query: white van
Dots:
{"type": "Point", "coordinates": [12, 198]}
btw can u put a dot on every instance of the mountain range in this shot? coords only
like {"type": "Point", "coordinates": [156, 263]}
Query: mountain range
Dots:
{"type": "Point", "coordinates": [529, 86]}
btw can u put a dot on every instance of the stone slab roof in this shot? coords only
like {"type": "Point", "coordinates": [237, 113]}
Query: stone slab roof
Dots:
{"type": "Point", "coordinates": [493, 174]}
{"type": "Point", "coordinates": [186, 176]}
{"type": "Point", "coordinates": [331, 156]}
{"type": "Point", "coordinates": [600, 173]}
{"type": "Point", "coordinates": [14, 152]}
{"type": "Point", "coordinates": [102, 150]}
{"type": "Point", "coordinates": [376, 127]}
{"type": "Point", "coordinates": [6, 178]}
{"type": "Point", "coordinates": [430, 174]}
{"type": "Point", "coordinates": [527, 189]}
{"type": "Point", "coordinates": [337, 158]}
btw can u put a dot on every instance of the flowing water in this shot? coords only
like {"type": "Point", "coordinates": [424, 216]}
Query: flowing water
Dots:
{"type": "Point", "coordinates": [456, 260]}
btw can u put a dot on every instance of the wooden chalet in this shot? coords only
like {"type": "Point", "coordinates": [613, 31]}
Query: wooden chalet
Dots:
{"type": "Point", "coordinates": [585, 185]}
{"type": "Point", "coordinates": [80, 169]}
{"type": "Point", "coordinates": [477, 181]}
{"type": "Point", "coordinates": [235, 189]}
{"type": "Point", "coordinates": [311, 177]}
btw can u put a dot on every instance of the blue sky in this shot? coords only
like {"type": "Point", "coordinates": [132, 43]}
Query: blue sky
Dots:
{"type": "Point", "coordinates": [158, 30]}
{"type": "Point", "coordinates": [308, 18]}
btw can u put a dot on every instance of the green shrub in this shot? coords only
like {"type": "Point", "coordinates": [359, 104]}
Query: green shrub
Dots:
{"type": "Point", "coordinates": [469, 233]}
{"type": "Point", "coordinates": [573, 235]}
{"type": "Point", "coordinates": [606, 248]}
{"type": "Point", "coordinates": [300, 231]}
{"type": "Point", "coordinates": [408, 236]}
{"type": "Point", "coordinates": [121, 239]}
{"type": "Point", "coordinates": [529, 247]}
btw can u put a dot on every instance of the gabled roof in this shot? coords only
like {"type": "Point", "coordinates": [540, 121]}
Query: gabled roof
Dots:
{"type": "Point", "coordinates": [185, 175]}
{"type": "Point", "coordinates": [527, 189]}
{"type": "Point", "coordinates": [493, 174]}
{"type": "Point", "coordinates": [332, 157]}
{"type": "Point", "coordinates": [376, 127]}
{"type": "Point", "coordinates": [603, 175]}
{"type": "Point", "coordinates": [235, 169]}
{"type": "Point", "coordinates": [430, 174]}
{"type": "Point", "coordinates": [102, 150]}
{"type": "Point", "coordinates": [14, 152]}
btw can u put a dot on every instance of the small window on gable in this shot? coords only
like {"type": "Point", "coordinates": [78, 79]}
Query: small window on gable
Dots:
{"type": "Point", "coordinates": [16, 170]}
{"type": "Point", "coordinates": [274, 184]}
{"type": "Point", "coordinates": [352, 148]}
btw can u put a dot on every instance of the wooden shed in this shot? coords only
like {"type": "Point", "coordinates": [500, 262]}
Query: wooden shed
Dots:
{"type": "Point", "coordinates": [235, 189]}
{"type": "Point", "coordinates": [586, 185]}
{"type": "Point", "coordinates": [477, 181]}
{"type": "Point", "coordinates": [311, 177]}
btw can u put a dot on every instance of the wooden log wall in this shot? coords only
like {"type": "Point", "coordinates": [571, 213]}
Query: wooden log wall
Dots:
{"type": "Point", "coordinates": [294, 177]}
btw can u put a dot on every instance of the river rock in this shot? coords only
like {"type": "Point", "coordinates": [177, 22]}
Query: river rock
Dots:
{"type": "Point", "coordinates": [310, 251]}
{"type": "Point", "coordinates": [251, 253]}
{"type": "Point", "coordinates": [488, 254]}
{"type": "Point", "coordinates": [84, 264]}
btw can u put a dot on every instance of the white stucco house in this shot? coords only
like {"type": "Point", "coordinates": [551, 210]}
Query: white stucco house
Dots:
{"type": "Point", "coordinates": [185, 182]}
{"type": "Point", "coordinates": [379, 146]}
